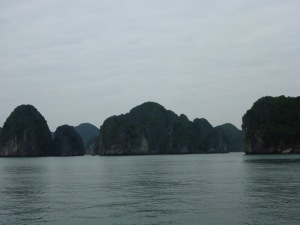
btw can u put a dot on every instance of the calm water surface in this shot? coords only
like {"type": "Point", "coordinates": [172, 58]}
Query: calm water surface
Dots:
{"type": "Point", "coordinates": [171, 189]}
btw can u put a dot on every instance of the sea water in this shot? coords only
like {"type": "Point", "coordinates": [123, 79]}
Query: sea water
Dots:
{"type": "Point", "coordinates": [163, 189]}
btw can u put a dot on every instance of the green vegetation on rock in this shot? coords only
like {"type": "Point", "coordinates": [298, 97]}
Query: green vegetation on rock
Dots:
{"type": "Point", "coordinates": [232, 136]}
{"type": "Point", "coordinates": [25, 133]}
{"type": "Point", "coordinates": [272, 125]}
{"type": "Point", "coordinates": [67, 142]}
{"type": "Point", "coordinates": [151, 129]}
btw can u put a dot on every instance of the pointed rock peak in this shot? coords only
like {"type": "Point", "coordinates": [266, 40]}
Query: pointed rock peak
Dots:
{"type": "Point", "coordinates": [184, 117]}
{"type": "Point", "coordinates": [64, 128]}
{"type": "Point", "coordinates": [86, 126]}
{"type": "Point", "coordinates": [148, 106]}
{"type": "Point", "coordinates": [202, 122]}
{"type": "Point", "coordinates": [24, 110]}
{"type": "Point", "coordinates": [228, 126]}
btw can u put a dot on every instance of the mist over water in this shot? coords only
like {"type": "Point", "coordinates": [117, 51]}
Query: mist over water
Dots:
{"type": "Point", "coordinates": [170, 189]}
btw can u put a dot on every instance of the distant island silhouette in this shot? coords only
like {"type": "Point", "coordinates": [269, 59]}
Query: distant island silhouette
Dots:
{"type": "Point", "coordinates": [271, 126]}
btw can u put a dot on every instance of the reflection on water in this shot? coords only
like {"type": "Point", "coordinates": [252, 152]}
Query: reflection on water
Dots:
{"type": "Point", "coordinates": [272, 188]}
{"type": "Point", "coordinates": [185, 189]}
{"type": "Point", "coordinates": [22, 194]}
{"type": "Point", "coordinates": [272, 159]}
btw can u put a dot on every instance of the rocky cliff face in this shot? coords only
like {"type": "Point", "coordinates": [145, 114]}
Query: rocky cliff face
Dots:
{"type": "Point", "coordinates": [272, 125]}
{"type": "Point", "coordinates": [25, 133]}
{"type": "Point", "coordinates": [67, 142]}
{"type": "Point", "coordinates": [151, 129]}
{"type": "Point", "coordinates": [232, 136]}
{"type": "Point", "coordinates": [92, 145]}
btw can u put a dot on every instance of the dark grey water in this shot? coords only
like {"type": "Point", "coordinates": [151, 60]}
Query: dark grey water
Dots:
{"type": "Point", "coordinates": [176, 189]}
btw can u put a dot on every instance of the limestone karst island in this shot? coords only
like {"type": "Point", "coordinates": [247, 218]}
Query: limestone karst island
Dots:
{"type": "Point", "coordinates": [271, 126]}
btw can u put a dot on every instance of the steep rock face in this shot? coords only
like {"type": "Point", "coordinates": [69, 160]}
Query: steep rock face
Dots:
{"type": "Point", "coordinates": [151, 129]}
{"type": "Point", "coordinates": [232, 136]}
{"type": "Point", "coordinates": [92, 145]}
{"type": "Point", "coordinates": [25, 133]}
{"type": "Point", "coordinates": [67, 142]}
{"type": "Point", "coordinates": [272, 125]}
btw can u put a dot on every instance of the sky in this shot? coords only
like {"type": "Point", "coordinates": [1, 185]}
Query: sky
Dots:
{"type": "Point", "coordinates": [83, 61]}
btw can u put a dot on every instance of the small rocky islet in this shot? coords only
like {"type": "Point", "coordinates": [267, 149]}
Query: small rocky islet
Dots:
{"type": "Point", "coordinates": [26, 134]}
{"type": "Point", "coordinates": [272, 125]}
{"type": "Point", "coordinates": [67, 142]}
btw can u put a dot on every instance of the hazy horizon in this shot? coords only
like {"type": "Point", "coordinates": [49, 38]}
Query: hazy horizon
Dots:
{"type": "Point", "coordinates": [78, 61]}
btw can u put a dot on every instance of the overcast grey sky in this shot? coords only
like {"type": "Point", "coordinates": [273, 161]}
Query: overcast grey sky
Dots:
{"type": "Point", "coordinates": [85, 60]}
